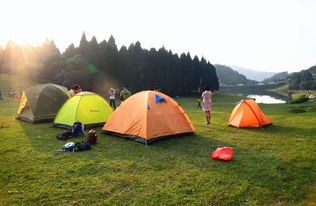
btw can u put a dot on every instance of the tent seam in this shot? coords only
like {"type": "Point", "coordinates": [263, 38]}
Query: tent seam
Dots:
{"type": "Point", "coordinates": [146, 116]}
{"type": "Point", "coordinates": [254, 114]}
{"type": "Point", "coordinates": [27, 103]}
{"type": "Point", "coordinates": [81, 96]}
{"type": "Point", "coordinates": [235, 113]}
{"type": "Point", "coordinates": [39, 91]}
{"type": "Point", "coordinates": [62, 90]}
{"type": "Point", "coordinates": [107, 104]}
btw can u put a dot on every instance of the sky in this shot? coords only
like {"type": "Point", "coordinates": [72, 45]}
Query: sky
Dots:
{"type": "Point", "coordinates": [263, 35]}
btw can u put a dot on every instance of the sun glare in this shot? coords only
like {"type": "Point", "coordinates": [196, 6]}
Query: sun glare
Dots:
{"type": "Point", "coordinates": [224, 31]}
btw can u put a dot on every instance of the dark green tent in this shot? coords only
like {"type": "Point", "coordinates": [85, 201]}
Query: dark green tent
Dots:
{"type": "Point", "coordinates": [41, 102]}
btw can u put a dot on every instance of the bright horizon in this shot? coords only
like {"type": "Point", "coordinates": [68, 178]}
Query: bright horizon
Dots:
{"type": "Point", "coordinates": [262, 35]}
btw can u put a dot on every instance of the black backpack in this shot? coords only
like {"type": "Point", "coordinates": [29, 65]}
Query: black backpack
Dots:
{"type": "Point", "coordinates": [64, 135]}
{"type": "Point", "coordinates": [82, 146]}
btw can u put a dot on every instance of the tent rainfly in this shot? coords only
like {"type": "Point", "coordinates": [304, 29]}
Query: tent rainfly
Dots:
{"type": "Point", "coordinates": [86, 107]}
{"type": "Point", "coordinates": [40, 103]}
{"type": "Point", "coordinates": [147, 116]}
{"type": "Point", "coordinates": [248, 114]}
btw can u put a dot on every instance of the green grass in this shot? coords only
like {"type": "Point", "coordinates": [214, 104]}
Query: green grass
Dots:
{"type": "Point", "coordinates": [271, 166]}
{"type": "Point", "coordinates": [284, 88]}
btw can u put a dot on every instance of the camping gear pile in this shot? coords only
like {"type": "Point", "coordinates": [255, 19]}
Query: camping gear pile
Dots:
{"type": "Point", "coordinates": [77, 131]}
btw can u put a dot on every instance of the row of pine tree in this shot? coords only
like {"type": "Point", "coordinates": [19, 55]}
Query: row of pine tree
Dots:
{"type": "Point", "coordinates": [98, 66]}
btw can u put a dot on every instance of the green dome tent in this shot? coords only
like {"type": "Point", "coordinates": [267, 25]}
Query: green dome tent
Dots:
{"type": "Point", "coordinates": [40, 103]}
{"type": "Point", "coordinates": [86, 107]}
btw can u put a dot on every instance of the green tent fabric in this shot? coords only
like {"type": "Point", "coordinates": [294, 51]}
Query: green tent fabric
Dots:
{"type": "Point", "coordinates": [86, 107]}
{"type": "Point", "coordinates": [40, 103]}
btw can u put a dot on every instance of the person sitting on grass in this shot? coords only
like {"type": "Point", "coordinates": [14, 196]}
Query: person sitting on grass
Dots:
{"type": "Point", "coordinates": [11, 93]}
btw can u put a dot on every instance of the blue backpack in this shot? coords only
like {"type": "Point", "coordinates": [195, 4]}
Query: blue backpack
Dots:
{"type": "Point", "coordinates": [77, 129]}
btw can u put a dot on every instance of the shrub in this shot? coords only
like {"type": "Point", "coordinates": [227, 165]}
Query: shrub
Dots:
{"type": "Point", "coordinates": [300, 99]}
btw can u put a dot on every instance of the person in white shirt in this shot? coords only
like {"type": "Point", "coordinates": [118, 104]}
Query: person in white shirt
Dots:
{"type": "Point", "coordinates": [112, 98]}
{"type": "Point", "coordinates": [207, 104]}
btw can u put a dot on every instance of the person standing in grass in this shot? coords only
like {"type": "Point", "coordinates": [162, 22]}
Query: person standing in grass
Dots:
{"type": "Point", "coordinates": [198, 104]}
{"type": "Point", "coordinates": [207, 103]}
{"type": "Point", "coordinates": [1, 94]}
{"type": "Point", "coordinates": [112, 98]}
{"type": "Point", "coordinates": [125, 93]}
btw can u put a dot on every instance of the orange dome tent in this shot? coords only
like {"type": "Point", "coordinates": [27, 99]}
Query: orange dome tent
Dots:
{"type": "Point", "coordinates": [248, 114]}
{"type": "Point", "coordinates": [149, 115]}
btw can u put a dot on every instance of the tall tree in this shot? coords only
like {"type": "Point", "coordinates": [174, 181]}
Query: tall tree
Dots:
{"type": "Point", "coordinates": [70, 51]}
{"type": "Point", "coordinates": [83, 44]}
{"type": "Point", "coordinates": [98, 65]}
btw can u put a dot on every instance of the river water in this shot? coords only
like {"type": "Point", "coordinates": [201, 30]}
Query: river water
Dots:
{"type": "Point", "coordinates": [266, 99]}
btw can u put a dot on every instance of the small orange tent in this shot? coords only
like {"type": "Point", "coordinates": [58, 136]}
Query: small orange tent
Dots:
{"type": "Point", "coordinates": [148, 115]}
{"type": "Point", "coordinates": [248, 114]}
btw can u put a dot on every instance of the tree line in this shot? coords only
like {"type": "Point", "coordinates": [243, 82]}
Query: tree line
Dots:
{"type": "Point", "coordinates": [278, 77]}
{"type": "Point", "coordinates": [100, 65]}
{"type": "Point", "coordinates": [303, 80]}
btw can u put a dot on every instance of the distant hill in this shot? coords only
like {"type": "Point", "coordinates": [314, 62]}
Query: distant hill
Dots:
{"type": "Point", "coordinates": [277, 77]}
{"type": "Point", "coordinates": [313, 70]}
{"type": "Point", "coordinates": [302, 80]}
{"type": "Point", "coordinates": [227, 76]}
{"type": "Point", "coordinates": [253, 74]}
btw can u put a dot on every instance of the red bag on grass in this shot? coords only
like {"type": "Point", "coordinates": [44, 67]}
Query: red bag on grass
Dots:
{"type": "Point", "coordinates": [223, 153]}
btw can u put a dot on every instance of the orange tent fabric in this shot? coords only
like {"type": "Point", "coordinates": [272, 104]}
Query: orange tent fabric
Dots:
{"type": "Point", "coordinates": [248, 114]}
{"type": "Point", "coordinates": [148, 115]}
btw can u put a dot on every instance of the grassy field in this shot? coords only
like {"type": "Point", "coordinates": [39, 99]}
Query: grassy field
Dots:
{"type": "Point", "coordinates": [271, 166]}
